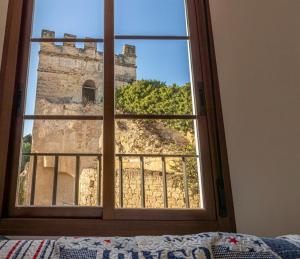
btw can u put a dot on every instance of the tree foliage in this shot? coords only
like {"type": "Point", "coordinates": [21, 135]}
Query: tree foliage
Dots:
{"type": "Point", "coordinates": [26, 148]}
{"type": "Point", "coordinates": [155, 97]}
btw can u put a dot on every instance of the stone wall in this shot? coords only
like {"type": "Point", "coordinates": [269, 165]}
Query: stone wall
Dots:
{"type": "Point", "coordinates": [154, 195]}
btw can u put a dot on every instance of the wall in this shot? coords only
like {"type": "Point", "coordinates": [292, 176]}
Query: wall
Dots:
{"type": "Point", "coordinates": [3, 10]}
{"type": "Point", "coordinates": [258, 55]}
{"type": "Point", "coordinates": [257, 46]}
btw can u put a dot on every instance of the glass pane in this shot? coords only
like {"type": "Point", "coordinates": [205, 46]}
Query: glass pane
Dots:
{"type": "Point", "coordinates": [153, 77]}
{"type": "Point", "coordinates": [65, 79]}
{"type": "Point", "coordinates": [70, 147]}
{"type": "Point", "coordinates": [155, 17]}
{"type": "Point", "coordinates": [155, 136]}
{"type": "Point", "coordinates": [90, 181]}
{"type": "Point", "coordinates": [64, 136]}
{"type": "Point", "coordinates": [181, 188]}
{"type": "Point", "coordinates": [79, 17]}
{"type": "Point", "coordinates": [164, 151]}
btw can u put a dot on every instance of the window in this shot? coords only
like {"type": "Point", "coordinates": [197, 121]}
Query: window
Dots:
{"type": "Point", "coordinates": [88, 93]}
{"type": "Point", "coordinates": [116, 113]}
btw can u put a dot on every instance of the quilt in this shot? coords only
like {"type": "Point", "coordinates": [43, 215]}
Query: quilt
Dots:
{"type": "Point", "coordinates": [202, 245]}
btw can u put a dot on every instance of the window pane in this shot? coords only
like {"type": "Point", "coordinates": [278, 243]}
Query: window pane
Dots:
{"type": "Point", "coordinates": [153, 77]}
{"type": "Point", "coordinates": [69, 147]}
{"type": "Point", "coordinates": [64, 136]}
{"type": "Point", "coordinates": [155, 136]}
{"type": "Point", "coordinates": [182, 186]}
{"type": "Point", "coordinates": [83, 18]}
{"type": "Point", "coordinates": [165, 152]}
{"type": "Point", "coordinates": [150, 17]}
{"type": "Point", "coordinates": [65, 79]}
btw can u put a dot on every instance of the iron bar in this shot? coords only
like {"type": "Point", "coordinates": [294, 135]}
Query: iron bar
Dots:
{"type": "Point", "coordinates": [99, 184]}
{"type": "Point", "coordinates": [142, 181]}
{"type": "Point", "coordinates": [33, 180]}
{"type": "Point", "coordinates": [77, 178]}
{"type": "Point", "coordinates": [55, 178]}
{"type": "Point", "coordinates": [185, 182]}
{"type": "Point", "coordinates": [164, 175]}
{"type": "Point", "coordinates": [120, 182]}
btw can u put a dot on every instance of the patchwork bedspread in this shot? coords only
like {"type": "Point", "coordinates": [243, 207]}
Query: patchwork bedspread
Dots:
{"type": "Point", "coordinates": [203, 245]}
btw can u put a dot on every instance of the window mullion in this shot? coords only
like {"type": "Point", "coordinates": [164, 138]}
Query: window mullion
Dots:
{"type": "Point", "coordinates": [108, 112]}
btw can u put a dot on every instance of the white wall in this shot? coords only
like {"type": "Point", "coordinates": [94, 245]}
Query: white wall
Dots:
{"type": "Point", "coordinates": [258, 56]}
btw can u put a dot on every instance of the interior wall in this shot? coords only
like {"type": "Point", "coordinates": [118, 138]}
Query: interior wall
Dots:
{"type": "Point", "coordinates": [258, 56]}
{"type": "Point", "coordinates": [3, 11]}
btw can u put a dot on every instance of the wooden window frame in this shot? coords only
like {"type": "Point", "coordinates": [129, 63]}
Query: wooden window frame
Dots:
{"type": "Point", "coordinates": [219, 213]}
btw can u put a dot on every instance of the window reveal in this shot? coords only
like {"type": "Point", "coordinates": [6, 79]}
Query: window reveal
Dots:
{"type": "Point", "coordinates": [88, 93]}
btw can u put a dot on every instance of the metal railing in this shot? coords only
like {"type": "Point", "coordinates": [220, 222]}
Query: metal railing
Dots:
{"type": "Point", "coordinates": [120, 158]}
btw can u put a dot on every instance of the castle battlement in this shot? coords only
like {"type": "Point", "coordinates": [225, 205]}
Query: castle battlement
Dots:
{"type": "Point", "coordinates": [90, 50]}
{"type": "Point", "coordinates": [64, 68]}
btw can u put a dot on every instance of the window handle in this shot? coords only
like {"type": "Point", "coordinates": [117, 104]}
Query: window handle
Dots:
{"type": "Point", "coordinates": [202, 101]}
{"type": "Point", "coordinates": [221, 198]}
{"type": "Point", "coordinates": [19, 95]}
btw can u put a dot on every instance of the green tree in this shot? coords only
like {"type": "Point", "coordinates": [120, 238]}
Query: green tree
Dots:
{"type": "Point", "coordinates": [26, 148]}
{"type": "Point", "coordinates": [155, 97]}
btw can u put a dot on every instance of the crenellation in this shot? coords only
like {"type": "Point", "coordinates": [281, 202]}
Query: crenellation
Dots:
{"type": "Point", "coordinates": [69, 36]}
{"type": "Point", "coordinates": [125, 61]}
{"type": "Point", "coordinates": [90, 50]}
{"type": "Point", "coordinates": [48, 34]}
{"type": "Point", "coordinates": [64, 68]}
{"type": "Point", "coordinates": [129, 51]}
{"type": "Point", "coordinates": [90, 45]}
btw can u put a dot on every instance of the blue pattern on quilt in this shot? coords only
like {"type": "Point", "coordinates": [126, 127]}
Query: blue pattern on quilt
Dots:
{"type": "Point", "coordinates": [285, 249]}
{"type": "Point", "coordinates": [77, 253]}
{"type": "Point", "coordinates": [224, 252]}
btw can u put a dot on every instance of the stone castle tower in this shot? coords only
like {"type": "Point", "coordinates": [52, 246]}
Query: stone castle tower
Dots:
{"type": "Point", "coordinates": [70, 82]}
{"type": "Point", "coordinates": [66, 71]}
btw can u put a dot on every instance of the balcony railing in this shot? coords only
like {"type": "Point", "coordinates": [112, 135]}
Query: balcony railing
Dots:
{"type": "Point", "coordinates": [120, 158]}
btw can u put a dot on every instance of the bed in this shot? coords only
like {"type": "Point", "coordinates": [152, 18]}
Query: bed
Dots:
{"type": "Point", "coordinates": [202, 245]}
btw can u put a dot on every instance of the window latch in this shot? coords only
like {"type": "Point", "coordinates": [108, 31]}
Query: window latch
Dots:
{"type": "Point", "coordinates": [202, 101]}
{"type": "Point", "coordinates": [221, 198]}
{"type": "Point", "coordinates": [19, 100]}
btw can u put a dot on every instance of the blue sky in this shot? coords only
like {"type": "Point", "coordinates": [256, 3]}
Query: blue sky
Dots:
{"type": "Point", "coordinates": [162, 60]}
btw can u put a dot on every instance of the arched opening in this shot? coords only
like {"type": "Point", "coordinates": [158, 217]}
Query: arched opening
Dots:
{"type": "Point", "coordinates": [88, 92]}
